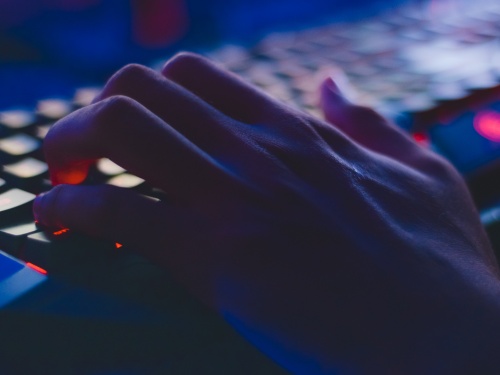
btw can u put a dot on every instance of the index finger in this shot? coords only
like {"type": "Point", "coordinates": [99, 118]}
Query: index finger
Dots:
{"type": "Point", "coordinates": [127, 133]}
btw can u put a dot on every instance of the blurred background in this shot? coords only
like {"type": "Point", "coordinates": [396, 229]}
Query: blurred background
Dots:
{"type": "Point", "coordinates": [48, 47]}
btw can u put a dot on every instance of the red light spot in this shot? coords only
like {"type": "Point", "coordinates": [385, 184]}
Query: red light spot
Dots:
{"type": "Point", "coordinates": [62, 231]}
{"type": "Point", "coordinates": [75, 174]}
{"type": "Point", "coordinates": [421, 138]}
{"type": "Point", "coordinates": [36, 268]}
{"type": "Point", "coordinates": [118, 245]}
{"type": "Point", "coordinates": [487, 124]}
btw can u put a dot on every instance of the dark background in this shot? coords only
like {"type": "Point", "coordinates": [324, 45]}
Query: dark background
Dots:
{"type": "Point", "coordinates": [48, 47]}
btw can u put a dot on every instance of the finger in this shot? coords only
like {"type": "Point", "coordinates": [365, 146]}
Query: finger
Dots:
{"type": "Point", "coordinates": [188, 114]}
{"type": "Point", "coordinates": [222, 89]}
{"type": "Point", "coordinates": [103, 211]}
{"type": "Point", "coordinates": [164, 233]}
{"type": "Point", "coordinates": [127, 133]}
{"type": "Point", "coordinates": [364, 125]}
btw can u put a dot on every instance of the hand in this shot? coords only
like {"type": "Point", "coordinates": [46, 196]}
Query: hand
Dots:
{"type": "Point", "coordinates": [342, 247]}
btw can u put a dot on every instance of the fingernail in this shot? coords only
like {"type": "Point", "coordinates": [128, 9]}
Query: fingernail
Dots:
{"type": "Point", "coordinates": [332, 86]}
{"type": "Point", "coordinates": [339, 85]}
{"type": "Point", "coordinates": [37, 207]}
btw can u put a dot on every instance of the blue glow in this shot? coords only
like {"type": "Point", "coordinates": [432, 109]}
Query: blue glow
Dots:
{"type": "Point", "coordinates": [289, 358]}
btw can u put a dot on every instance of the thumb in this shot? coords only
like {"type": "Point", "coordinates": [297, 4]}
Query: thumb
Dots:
{"type": "Point", "coordinates": [336, 100]}
{"type": "Point", "coordinates": [364, 125]}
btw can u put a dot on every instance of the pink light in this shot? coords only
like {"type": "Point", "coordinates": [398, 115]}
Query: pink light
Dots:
{"type": "Point", "coordinates": [487, 124]}
{"type": "Point", "coordinates": [421, 138]}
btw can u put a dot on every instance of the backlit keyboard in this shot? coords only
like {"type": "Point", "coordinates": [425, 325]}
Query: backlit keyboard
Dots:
{"type": "Point", "coordinates": [434, 70]}
{"type": "Point", "coordinates": [410, 63]}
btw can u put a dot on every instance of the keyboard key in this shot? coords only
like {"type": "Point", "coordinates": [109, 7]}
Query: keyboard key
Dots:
{"type": "Point", "coordinates": [15, 205]}
{"type": "Point", "coordinates": [8, 267]}
{"type": "Point", "coordinates": [17, 119]}
{"type": "Point", "coordinates": [109, 168]}
{"type": "Point", "coordinates": [42, 130]}
{"type": "Point", "coordinates": [85, 95]}
{"type": "Point", "coordinates": [28, 174]}
{"type": "Point", "coordinates": [18, 145]}
{"type": "Point", "coordinates": [12, 237]}
{"type": "Point", "coordinates": [126, 180]}
{"type": "Point", "coordinates": [53, 109]}
{"type": "Point", "coordinates": [37, 250]}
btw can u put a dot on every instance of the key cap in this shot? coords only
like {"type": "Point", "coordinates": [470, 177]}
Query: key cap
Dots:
{"type": "Point", "coordinates": [15, 146]}
{"type": "Point", "coordinates": [16, 119]}
{"type": "Point", "coordinates": [42, 130]}
{"type": "Point", "coordinates": [85, 95]}
{"type": "Point", "coordinates": [15, 205]}
{"type": "Point", "coordinates": [126, 180]}
{"type": "Point", "coordinates": [27, 174]}
{"type": "Point", "coordinates": [109, 168]}
{"type": "Point", "coordinates": [53, 109]}
{"type": "Point", "coordinates": [12, 237]}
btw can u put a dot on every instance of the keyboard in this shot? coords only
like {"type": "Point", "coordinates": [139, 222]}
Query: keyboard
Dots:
{"type": "Point", "coordinates": [414, 63]}
{"type": "Point", "coordinates": [433, 69]}
{"type": "Point", "coordinates": [74, 304]}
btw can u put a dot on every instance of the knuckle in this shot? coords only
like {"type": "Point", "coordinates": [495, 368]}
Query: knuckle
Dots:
{"type": "Point", "coordinates": [116, 103]}
{"type": "Point", "coordinates": [183, 60]}
{"type": "Point", "coordinates": [109, 111]}
{"type": "Point", "coordinates": [129, 72]}
{"type": "Point", "coordinates": [126, 77]}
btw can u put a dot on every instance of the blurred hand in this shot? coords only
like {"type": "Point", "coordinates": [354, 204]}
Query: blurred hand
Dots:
{"type": "Point", "coordinates": [343, 247]}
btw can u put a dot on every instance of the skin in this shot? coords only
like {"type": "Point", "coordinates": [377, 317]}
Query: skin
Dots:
{"type": "Point", "coordinates": [332, 246]}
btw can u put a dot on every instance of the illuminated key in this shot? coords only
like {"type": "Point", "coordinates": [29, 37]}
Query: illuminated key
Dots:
{"type": "Point", "coordinates": [28, 174]}
{"type": "Point", "coordinates": [27, 168]}
{"type": "Point", "coordinates": [53, 108]}
{"type": "Point", "coordinates": [109, 168]}
{"type": "Point", "coordinates": [13, 236]}
{"type": "Point", "coordinates": [18, 145]}
{"type": "Point", "coordinates": [42, 130]}
{"type": "Point", "coordinates": [126, 180]}
{"type": "Point", "coordinates": [17, 119]}
{"type": "Point", "coordinates": [85, 95]}
{"type": "Point", "coordinates": [15, 204]}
